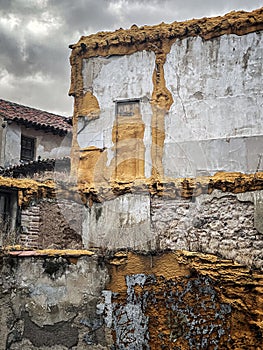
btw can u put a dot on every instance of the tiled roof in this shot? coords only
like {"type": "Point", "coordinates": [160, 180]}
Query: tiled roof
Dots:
{"type": "Point", "coordinates": [34, 117]}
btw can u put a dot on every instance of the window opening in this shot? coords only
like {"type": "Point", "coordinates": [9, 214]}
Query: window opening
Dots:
{"type": "Point", "coordinates": [127, 108]}
{"type": "Point", "coordinates": [27, 148]}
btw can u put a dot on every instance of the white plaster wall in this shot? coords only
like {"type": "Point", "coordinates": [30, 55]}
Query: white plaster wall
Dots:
{"type": "Point", "coordinates": [116, 78]}
{"type": "Point", "coordinates": [118, 223]}
{"type": "Point", "coordinates": [2, 141]}
{"type": "Point", "coordinates": [12, 144]}
{"type": "Point", "coordinates": [215, 122]}
{"type": "Point", "coordinates": [217, 90]}
{"type": "Point", "coordinates": [48, 145]}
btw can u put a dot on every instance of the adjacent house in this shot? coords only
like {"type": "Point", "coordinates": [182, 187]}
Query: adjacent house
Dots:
{"type": "Point", "coordinates": [28, 134]}
{"type": "Point", "coordinates": [33, 142]}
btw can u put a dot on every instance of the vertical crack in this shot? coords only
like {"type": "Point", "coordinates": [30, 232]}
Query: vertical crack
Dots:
{"type": "Point", "coordinates": [178, 86]}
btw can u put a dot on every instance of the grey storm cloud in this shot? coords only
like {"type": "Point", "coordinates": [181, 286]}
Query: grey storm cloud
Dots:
{"type": "Point", "coordinates": [35, 35]}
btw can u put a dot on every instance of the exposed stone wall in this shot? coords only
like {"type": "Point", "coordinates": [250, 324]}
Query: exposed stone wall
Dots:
{"type": "Point", "coordinates": [175, 215]}
{"type": "Point", "coordinates": [220, 223]}
{"type": "Point", "coordinates": [129, 301]}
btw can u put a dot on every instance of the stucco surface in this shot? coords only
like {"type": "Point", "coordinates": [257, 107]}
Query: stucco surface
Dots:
{"type": "Point", "coordinates": [47, 300]}
{"type": "Point", "coordinates": [118, 223]}
{"type": "Point", "coordinates": [215, 121]}
{"type": "Point", "coordinates": [208, 117]}
{"type": "Point", "coordinates": [113, 79]}
{"type": "Point", "coordinates": [129, 301]}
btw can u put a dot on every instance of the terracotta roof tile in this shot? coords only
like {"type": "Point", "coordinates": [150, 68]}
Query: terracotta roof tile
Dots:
{"type": "Point", "coordinates": [34, 117]}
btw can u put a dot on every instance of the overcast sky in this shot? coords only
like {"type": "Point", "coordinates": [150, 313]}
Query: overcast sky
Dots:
{"type": "Point", "coordinates": [35, 34]}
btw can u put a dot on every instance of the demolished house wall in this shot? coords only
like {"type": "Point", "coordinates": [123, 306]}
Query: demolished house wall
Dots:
{"type": "Point", "coordinates": [136, 288]}
{"type": "Point", "coordinates": [208, 81]}
{"type": "Point", "coordinates": [198, 95]}
{"type": "Point", "coordinates": [187, 106]}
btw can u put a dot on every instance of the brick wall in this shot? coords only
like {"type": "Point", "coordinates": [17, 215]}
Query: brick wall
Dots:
{"type": "Point", "coordinates": [30, 220]}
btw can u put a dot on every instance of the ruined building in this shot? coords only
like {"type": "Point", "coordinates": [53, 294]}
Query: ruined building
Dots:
{"type": "Point", "coordinates": [166, 193]}
{"type": "Point", "coordinates": [156, 104]}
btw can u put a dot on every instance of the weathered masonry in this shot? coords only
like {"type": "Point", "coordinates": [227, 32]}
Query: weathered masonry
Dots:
{"type": "Point", "coordinates": [154, 105]}
{"type": "Point", "coordinates": [79, 300]}
{"type": "Point", "coordinates": [164, 202]}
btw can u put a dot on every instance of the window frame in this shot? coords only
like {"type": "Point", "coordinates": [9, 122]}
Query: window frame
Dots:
{"type": "Point", "coordinates": [134, 101]}
{"type": "Point", "coordinates": [26, 149]}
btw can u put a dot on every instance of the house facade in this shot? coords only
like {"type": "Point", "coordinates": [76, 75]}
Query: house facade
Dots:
{"type": "Point", "coordinates": [33, 143]}
{"type": "Point", "coordinates": [29, 134]}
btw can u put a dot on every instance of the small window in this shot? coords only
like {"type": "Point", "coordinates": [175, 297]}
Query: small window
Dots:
{"type": "Point", "coordinates": [27, 148]}
{"type": "Point", "coordinates": [127, 108]}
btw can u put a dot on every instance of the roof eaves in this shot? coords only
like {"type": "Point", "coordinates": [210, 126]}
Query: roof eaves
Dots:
{"type": "Point", "coordinates": [49, 128]}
